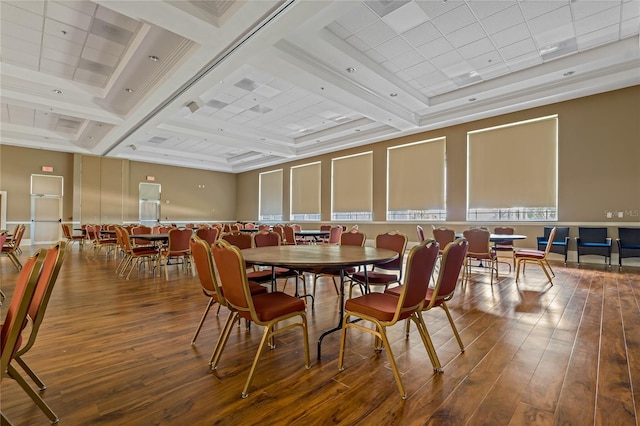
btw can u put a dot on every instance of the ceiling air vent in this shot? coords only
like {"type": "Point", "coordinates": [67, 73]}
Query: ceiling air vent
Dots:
{"type": "Point", "coordinates": [247, 84]}
{"type": "Point", "coordinates": [110, 32]}
{"type": "Point", "coordinates": [214, 103]}
{"type": "Point", "coordinates": [261, 109]}
{"type": "Point", "coordinates": [95, 67]}
{"type": "Point", "coordinates": [68, 124]}
{"type": "Point", "coordinates": [157, 140]}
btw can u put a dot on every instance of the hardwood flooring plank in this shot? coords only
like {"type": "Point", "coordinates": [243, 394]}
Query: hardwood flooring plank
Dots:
{"type": "Point", "coordinates": [117, 352]}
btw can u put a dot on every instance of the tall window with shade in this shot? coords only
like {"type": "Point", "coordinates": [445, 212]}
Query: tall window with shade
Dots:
{"type": "Point", "coordinates": [512, 171]}
{"type": "Point", "coordinates": [305, 192]}
{"type": "Point", "coordinates": [416, 181]}
{"type": "Point", "coordinates": [352, 187]}
{"type": "Point", "coordinates": [270, 196]}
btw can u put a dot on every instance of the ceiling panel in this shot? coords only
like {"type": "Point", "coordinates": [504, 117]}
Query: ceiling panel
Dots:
{"type": "Point", "coordinates": [224, 85]}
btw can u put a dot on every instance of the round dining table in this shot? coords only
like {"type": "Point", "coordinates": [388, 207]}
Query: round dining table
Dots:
{"type": "Point", "coordinates": [317, 258]}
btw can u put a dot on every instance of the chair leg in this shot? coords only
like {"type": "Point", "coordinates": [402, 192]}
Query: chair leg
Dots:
{"type": "Point", "coordinates": [550, 268]}
{"type": "Point", "coordinates": [453, 326]}
{"type": "Point", "coordinates": [428, 344]}
{"type": "Point", "coordinates": [343, 340]}
{"type": "Point", "coordinates": [30, 373]}
{"type": "Point", "coordinates": [541, 263]}
{"type": "Point", "coordinates": [392, 360]}
{"type": "Point", "coordinates": [204, 316]}
{"type": "Point", "coordinates": [13, 373]}
{"type": "Point", "coordinates": [222, 340]}
{"type": "Point", "coordinates": [265, 336]}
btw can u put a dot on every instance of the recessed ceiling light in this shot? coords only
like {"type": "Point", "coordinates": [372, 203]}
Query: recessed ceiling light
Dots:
{"type": "Point", "coordinates": [63, 32]}
{"type": "Point", "coordinates": [128, 90]}
{"type": "Point", "coordinates": [221, 130]}
{"type": "Point", "coordinates": [393, 95]}
{"type": "Point", "coordinates": [154, 58]}
{"type": "Point", "coordinates": [351, 70]}
{"type": "Point", "coordinates": [472, 99]}
{"type": "Point", "coordinates": [58, 91]}
{"type": "Point", "coordinates": [568, 73]}
{"type": "Point", "coordinates": [90, 137]}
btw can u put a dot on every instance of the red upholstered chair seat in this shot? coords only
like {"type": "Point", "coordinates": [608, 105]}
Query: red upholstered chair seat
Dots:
{"type": "Point", "coordinates": [374, 277]}
{"type": "Point", "coordinates": [381, 306]}
{"type": "Point", "coordinates": [270, 306]}
{"type": "Point", "coordinates": [537, 254]}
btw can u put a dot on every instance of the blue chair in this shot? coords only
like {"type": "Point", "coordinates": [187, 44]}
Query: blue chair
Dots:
{"type": "Point", "coordinates": [560, 241]}
{"type": "Point", "coordinates": [594, 241]}
{"type": "Point", "coordinates": [628, 243]}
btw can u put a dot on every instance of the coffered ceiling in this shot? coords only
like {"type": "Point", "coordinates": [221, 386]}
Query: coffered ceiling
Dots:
{"type": "Point", "coordinates": [239, 85]}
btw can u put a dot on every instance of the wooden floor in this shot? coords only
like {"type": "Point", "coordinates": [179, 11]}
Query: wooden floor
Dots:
{"type": "Point", "coordinates": [116, 352]}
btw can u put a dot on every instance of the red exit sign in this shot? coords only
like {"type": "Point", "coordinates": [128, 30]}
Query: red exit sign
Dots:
{"type": "Point", "coordinates": [47, 169]}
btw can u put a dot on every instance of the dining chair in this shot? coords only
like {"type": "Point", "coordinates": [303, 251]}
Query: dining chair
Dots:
{"type": "Point", "coordinates": [245, 241]}
{"type": "Point", "coordinates": [270, 239]}
{"type": "Point", "coordinates": [383, 274]}
{"type": "Point", "coordinates": [134, 255]}
{"type": "Point", "coordinates": [480, 249]}
{"type": "Point", "coordinates": [351, 238]}
{"type": "Point", "coordinates": [141, 229]}
{"type": "Point", "coordinates": [202, 257]}
{"type": "Point", "coordinates": [70, 238]}
{"type": "Point", "coordinates": [264, 227]}
{"type": "Point", "coordinates": [443, 236]}
{"type": "Point", "coordinates": [279, 229]}
{"type": "Point", "coordinates": [525, 256]}
{"type": "Point", "coordinates": [334, 236]}
{"type": "Point", "coordinates": [452, 261]}
{"type": "Point", "coordinates": [177, 248]}
{"type": "Point", "coordinates": [12, 237]}
{"type": "Point", "coordinates": [14, 324]}
{"type": "Point", "coordinates": [266, 310]}
{"type": "Point", "coordinates": [505, 246]}
{"type": "Point", "coordinates": [51, 265]}
{"type": "Point", "coordinates": [210, 235]}
{"type": "Point", "coordinates": [11, 249]}
{"type": "Point", "coordinates": [384, 310]}
{"type": "Point", "coordinates": [289, 235]}
{"type": "Point", "coordinates": [420, 232]}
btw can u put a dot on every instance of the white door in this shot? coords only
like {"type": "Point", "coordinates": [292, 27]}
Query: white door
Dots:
{"type": "Point", "coordinates": [149, 199]}
{"type": "Point", "coordinates": [46, 208]}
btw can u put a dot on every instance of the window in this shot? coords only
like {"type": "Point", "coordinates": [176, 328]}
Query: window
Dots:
{"type": "Point", "coordinates": [270, 196]}
{"type": "Point", "coordinates": [416, 181]}
{"type": "Point", "coordinates": [512, 171]}
{"type": "Point", "coordinates": [352, 187]}
{"type": "Point", "coordinates": [305, 192]}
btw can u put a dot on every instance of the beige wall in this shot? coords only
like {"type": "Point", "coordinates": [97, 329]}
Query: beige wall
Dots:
{"type": "Point", "coordinates": [599, 157]}
{"type": "Point", "coordinates": [599, 166]}
{"type": "Point", "coordinates": [105, 190]}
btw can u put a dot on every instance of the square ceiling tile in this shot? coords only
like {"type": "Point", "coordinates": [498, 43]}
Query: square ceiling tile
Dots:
{"type": "Point", "coordinates": [511, 35]}
{"type": "Point", "coordinates": [21, 16]}
{"type": "Point", "coordinates": [435, 48]}
{"type": "Point", "coordinates": [502, 20]}
{"type": "Point", "coordinates": [454, 19]}
{"type": "Point", "coordinates": [394, 47]}
{"type": "Point", "coordinates": [67, 15]}
{"type": "Point", "coordinates": [357, 18]}
{"type": "Point", "coordinates": [466, 35]}
{"type": "Point", "coordinates": [376, 33]}
{"type": "Point", "coordinates": [422, 34]}
{"type": "Point", "coordinates": [63, 45]}
{"type": "Point", "coordinates": [406, 17]}
{"type": "Point", "coordinates": [476, 48]}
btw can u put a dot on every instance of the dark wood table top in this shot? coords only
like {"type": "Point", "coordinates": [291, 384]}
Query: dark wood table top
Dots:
{"type": "Point", "coordinates": [499, 237]}
{"type": "Point", "coordinates": [151, 237]}
{"type": "Point", "coordinates": [312, 233]}
{"type": "Point", "coordinates": [312, 257]}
